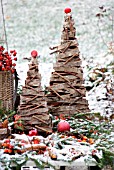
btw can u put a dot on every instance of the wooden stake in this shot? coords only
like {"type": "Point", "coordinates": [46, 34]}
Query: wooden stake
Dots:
{"type": "Point", "coordinates": [62, 50]}
{"type": "Point", "coordinates": [31, 79]}
{"type": "Point", "coordinates": [26, 107]}
{"type": "Point", "coordinates": [56, 93]}
{"type": "Point", "coordinates": [67, 47]}
{"type": "Point", "coordinates": [36, 107]}
{"type": "Point", "coordinates": [34, 66]}
{"type": "Point", "coordinates": [55, 51]}
{"type": "Point", "coordinates": [30, 114]}
{"type": "Point", "coordinates": [75, 100]}
{"type": "Point", "coordinates": [32, 99]}
{"type": "Point", "coordinates": [31, 88]}
{"type": "Point", "coordinates": [40, 120]}
{"type": "Point", "coordinates": [69, 59]}
{"type": "Point", "coordinates": [68, 82]}
{"type": "Point", "coordinates": [43, 129]}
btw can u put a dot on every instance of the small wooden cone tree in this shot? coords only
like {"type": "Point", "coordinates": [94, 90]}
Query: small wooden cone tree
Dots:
{"type": "Point", "coordinates": [33, 106]}
{"type": "Point", "coordinates": [66, 91]}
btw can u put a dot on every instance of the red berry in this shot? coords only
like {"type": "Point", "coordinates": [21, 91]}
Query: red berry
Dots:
{"type": "Point", "coordinates": [9, 57]}
{"type": "Point", "coordinates": [17, 117]}
{"type": "Point", "coordinates": [11, 51]}
{"type": "Point", "coordinates": [15, 58]}
{"type": "Point", "coordinates": [2, 48]}
{"type": "Point", "coordinates": [6, 150]}
{"type": "Point", "coordinates": [3, 69]}
{"type": "Point", "coordinates": [7, 61]}
{"type": "Point", "coordinates": [67, 10]}
{"type": "Point", "coordinates": [9, 151]}
{"type": "Point", "coordinates": [7, 67]}
{"type": "Point", "coordinates": [14, 53]}
{"type": "Point", "coordinates": [36, 141]}
{"type": "Point", "coordinates": [14, 64]}
{"type": "Point", "coordinates": [12, 71]}
{"type": "Point", "coordinates": [6, 53]}
{"type": "Point", "coordinates": [1, 58]}
{"type": "Point", "coordinates": [0, 64]}
{"type": "Point", "coordinates": [11, 146]}
{"type": "Point", "coordinates": [34, 53]}
{"type": "Point", "coordinates": [10, 62]}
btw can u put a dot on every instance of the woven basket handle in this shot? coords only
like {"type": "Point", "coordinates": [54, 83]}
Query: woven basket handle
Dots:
{"type": "Point", "coordinates": [16, 79]}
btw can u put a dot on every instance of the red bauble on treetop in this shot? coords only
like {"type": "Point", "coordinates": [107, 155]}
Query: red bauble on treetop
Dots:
{"type": "Point", "coordinates": [34, 53]}
{"type": "Point", "coordinates": [67, 10]}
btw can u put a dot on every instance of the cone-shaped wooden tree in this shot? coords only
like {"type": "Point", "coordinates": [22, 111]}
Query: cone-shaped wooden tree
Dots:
{"type": "Point", "coordinates": [33, 106]}
{"type": "Point", "coordinates": [66, 91]}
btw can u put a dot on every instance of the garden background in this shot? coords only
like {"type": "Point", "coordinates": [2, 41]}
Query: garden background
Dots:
{"type": "Point", "coordinates": [38, 25]}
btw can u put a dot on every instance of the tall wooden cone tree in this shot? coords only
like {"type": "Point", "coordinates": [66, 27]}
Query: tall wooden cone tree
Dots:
{"type": "Point", "coordinates": [33, 106]}
{"type": "Point", "coordinates": [66, 90]}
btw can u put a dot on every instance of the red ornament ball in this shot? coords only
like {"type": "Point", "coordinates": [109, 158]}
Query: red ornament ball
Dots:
{"type": "Point", "coordinates": [63, 126]}
{"type": "Point", "coordinates": [33, 132]}
{"type": "Point", "coordinates": [34, 53]}
{"type": "Point", "coordinates": [67, 10]}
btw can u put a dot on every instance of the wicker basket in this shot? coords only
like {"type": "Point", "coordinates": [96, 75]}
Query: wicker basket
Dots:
{"type": "Point", "coordinates": [6, 90]}
{"type": "Point", "coordinates": [4, 133]}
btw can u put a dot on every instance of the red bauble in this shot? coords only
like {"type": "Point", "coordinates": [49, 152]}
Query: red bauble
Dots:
{"type": "Point", "coordinates": [67, 10]}
{"type": "Point", "coordinates": [33, 132]}
{"type": "Point", "coordinates": [63, 126]}
{"type": "Point", "coordinates": [34, 53]}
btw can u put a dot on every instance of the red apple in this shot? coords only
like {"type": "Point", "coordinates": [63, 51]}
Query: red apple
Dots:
{"type": "Point", "coordinates": [67, 10]}
{"type": "Point", "coordinates": [63, 126]}
{"type": "Point", "coordinates": [34, 53]}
